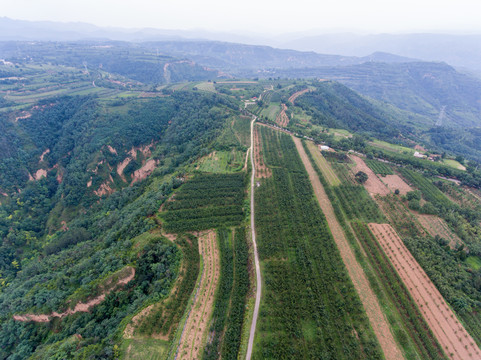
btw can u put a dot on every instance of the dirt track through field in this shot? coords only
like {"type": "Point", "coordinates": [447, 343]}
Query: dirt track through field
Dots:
{"type": "Point", "coordinates": [369, 300]}
{"type": "Point", "coordinates": [197, 324]}
{"type": "Point", "coordinates": [450, 333]}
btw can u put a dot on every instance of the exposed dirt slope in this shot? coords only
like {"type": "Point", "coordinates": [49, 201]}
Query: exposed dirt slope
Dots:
{"type": "Point", "coordinates": [294, 96]}
{"type": "Point", "coordinates": [80, 307]}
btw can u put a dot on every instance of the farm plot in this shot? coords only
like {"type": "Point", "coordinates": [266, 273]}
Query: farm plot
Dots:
{"type": "Point", "coordinates": [225, 331]}
{"type": "Point", "coordinates": [282, 119]}
{"type": "Point", "coordinates": [222, 161]}
{"type": "Point", "coordinates": [412, 322]}
{"type": "Point", "coordinates": [262, 171]}
{"type": "Point", "coordinates": [322, 163]}
{"type": "Point", "coordinates": [310, 308]}
{"type": "Point", "coordinates": [194, 334]}
{"type": "Point", "coordinates": [430, 192]}
{"type": "Point", "coordinates": [379, 167]}
{"type": "Point", "coordinates": [373, 185]}
{"type": "Point", "coordinates": [206, 201]}
{"type": "Point", "coordinates": [437, 226]}
{"type": "Point", "coordinates": [395, 182]}
{"type": "Point", "coordinates": [450, 333]}
{"type": "Point", "coordinates": [378, 321]}
{"type": "Point", "coordinates": [402, 219]}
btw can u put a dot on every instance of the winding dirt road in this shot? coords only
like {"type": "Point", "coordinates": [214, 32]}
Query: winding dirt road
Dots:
{"type": "Point", "coordinates": [256, 256]}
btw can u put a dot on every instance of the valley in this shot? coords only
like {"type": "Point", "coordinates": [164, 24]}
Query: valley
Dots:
{"type": "Point", "coordinates": [155, 208]}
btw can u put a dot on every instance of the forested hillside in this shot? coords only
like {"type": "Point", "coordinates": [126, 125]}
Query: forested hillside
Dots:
{"type": "Point", "coordinates": [125, 220]}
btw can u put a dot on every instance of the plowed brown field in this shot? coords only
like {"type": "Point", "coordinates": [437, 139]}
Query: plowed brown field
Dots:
{"type": "Point", "coordinates": [197, 324]}
{"type": "Point", "coordinates": [451, 334]}
{"type": "Point", "coordinates": [394, 182]}
{"type": "Point", "coordinates": [262, 171]}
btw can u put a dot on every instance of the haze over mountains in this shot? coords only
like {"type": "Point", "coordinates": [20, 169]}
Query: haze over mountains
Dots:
{"type": "Point", "coordinates": [462, 51]}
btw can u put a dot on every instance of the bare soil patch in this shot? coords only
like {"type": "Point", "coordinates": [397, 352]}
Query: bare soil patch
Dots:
{"type": "Point", "coordinates": [145, 170]}
{"type": "Point", "coordinates": [451, 334]}
{"type": "Point", "coordinates": [373, 185]}
{"type": "Point", "coordinates": [294, 96]}
{"type": "Point", "coordinates": [376, 317]}
{"type": "Point", "coordinates": [43, 155]}
{"type": "Point", "coordinates": [40, 174]}
{"type": "Point", "coordinates": [197, 325]}
{"type": "Point", "coordinates": [105, 188]}
{"type": "Point", "coordinates": [262, 171]}
{"type": "Point", "coordinates": [394, 182]}
{"type": "Point", "coordinates": [81, 306]}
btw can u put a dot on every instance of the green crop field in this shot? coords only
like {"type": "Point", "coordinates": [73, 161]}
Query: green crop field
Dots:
{"type": "Point", "coordinates": [321, 315]}
{"type": "Point", "coordinates": [205, 202]}
{"type": "Point", "coordinates": [379, 167]}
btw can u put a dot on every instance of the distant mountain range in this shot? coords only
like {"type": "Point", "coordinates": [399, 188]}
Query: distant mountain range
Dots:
{"type": "Point", "coordinates": [461, 51]}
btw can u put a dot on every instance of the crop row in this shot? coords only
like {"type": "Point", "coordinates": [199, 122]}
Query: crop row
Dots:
{"type": "Point", "coordinates": [399, 322]}
{"type": "Point", "coordinates": [379, 167]}
{"type": "Point", "coordinates": [357, 204]}
{"type": "Point", "coordinates": [205, 202]}
{"type": "Point", "coordinates": [229, 307]}
{"type": "Point", "coordinates": [430, 192]}
{"type": "Point", "coordinates": [394, 287]}
{"type": "Point", "coordinates": [310, 307]}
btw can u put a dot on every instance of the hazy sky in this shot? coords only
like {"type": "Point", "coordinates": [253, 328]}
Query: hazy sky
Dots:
{"type": "Point", "coordinates": [266, 16]}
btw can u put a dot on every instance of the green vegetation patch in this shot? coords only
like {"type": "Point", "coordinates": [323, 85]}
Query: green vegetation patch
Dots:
{"type": "Point", "coordinates": [144, 349]}
{"type": "Point", "coordinates": [222, 161]}
{"type": "Point", "coordinates": [310, 308]}
{"type": "Point", "coordinates": [205, 202]}
{"type": "Point", "coordinates": [474, 262]}
{"type": "Point", "coordinates": [379, 167]}
{"type": "Point", "coordinates": [230, 301]}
